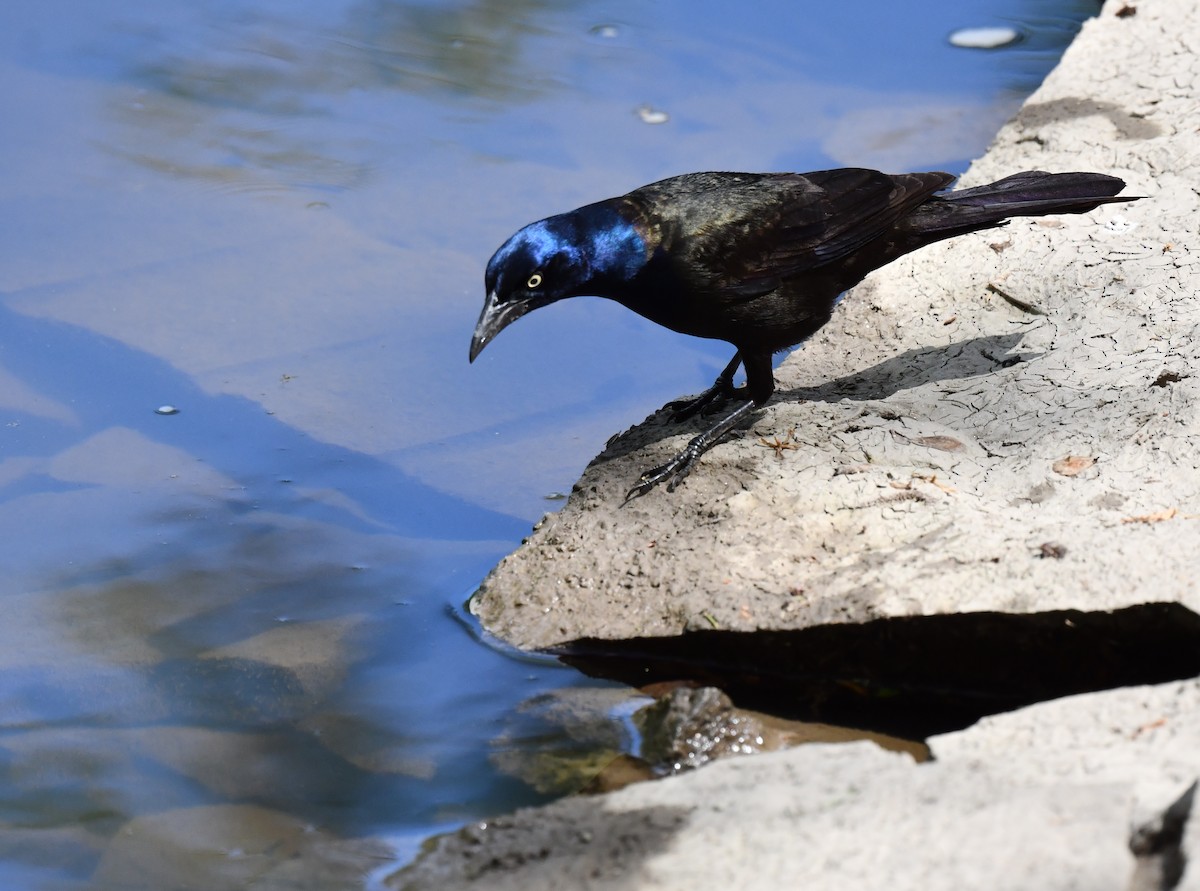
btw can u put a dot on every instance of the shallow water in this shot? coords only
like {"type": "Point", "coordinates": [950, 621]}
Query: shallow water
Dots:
{"type": "Point", "coordinates": [232, 645]}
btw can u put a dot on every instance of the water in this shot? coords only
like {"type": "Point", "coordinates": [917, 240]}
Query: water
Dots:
{"type": "Point", "coordinates": [247, 476]}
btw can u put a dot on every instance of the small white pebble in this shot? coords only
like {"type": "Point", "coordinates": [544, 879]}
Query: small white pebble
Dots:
{"type": "Point", "coordinates": [652, 115]}
{"type": "Point", "coordinates": [984, 38]}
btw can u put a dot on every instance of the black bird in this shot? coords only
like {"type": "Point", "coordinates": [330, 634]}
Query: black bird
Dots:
{"type": "Point", "coordinates": [755, 259]}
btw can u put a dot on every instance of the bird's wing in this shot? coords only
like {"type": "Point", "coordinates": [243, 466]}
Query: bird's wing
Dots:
{"type": "Point", "coordinates": [791, 223]}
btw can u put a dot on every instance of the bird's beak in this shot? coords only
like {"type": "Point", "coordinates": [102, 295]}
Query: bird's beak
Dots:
{"type": "Point", "coordinates": [496, 316]}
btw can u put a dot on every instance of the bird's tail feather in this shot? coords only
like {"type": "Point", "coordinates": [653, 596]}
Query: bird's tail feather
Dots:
{"type": "Point", "coordinates": [1031, 193]}
{"type": "Point", "coordinates": [1038, 185]}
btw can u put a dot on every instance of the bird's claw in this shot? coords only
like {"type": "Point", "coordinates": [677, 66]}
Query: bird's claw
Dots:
{"type": "Point", "coordinates": [674, 470]}
{"type": "Point", "coordinates": [711, 399]}
{"type": "Point", "coordinates": [708, 401]}
{"type": "Point", "coordinates": [678, 467]}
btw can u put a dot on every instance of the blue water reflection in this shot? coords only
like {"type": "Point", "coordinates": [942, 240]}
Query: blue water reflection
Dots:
{"type": "Point", "coordinates": [275, 216]}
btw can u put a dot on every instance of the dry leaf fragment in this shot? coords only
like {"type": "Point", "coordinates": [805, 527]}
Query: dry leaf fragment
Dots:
{"type": "Point", "coordinates": [943, 443]}
{"type": "Point", "coordinates": [1146, 728]}
{"type": "Point", "coordinates": [1157, 517]}
{"type": "Point", "coordinates": [934, 481]}
{"type": "Point", "coordinates": [1072, 465]}
{"type": "Point", "coordinates": [1015, 301]}
{"type": "Point", "coordinates": [779, 445]}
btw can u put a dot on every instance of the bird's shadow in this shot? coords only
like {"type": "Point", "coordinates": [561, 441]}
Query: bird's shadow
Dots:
{"type": "Point", "coordinates": [960, 360]}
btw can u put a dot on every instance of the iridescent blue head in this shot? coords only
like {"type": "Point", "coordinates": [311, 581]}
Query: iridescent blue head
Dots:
{"type": "Point", "coordinates": [587, 251]}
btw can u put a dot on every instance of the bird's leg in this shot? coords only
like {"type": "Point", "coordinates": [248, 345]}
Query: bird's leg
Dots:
{"type": "Point", "coordinates": [760, 384]}
{"type": "Point", "coordinates": [679, 466]}
{"type": "Point", "coordinates": [721, 391]}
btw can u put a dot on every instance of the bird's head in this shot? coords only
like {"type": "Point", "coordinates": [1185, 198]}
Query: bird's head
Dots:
{"type": "Point", "coordinates": [542, 263]}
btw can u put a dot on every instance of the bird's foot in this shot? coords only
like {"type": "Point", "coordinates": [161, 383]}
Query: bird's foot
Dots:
{"type": "Point", "coordinates": [708, 401]}
{"type": "Point", "coordinates": [677, 469]}
{"type": "Point", "coordinates": [674, 470]}
{"type": "Point", "coordinates": [711, 399]}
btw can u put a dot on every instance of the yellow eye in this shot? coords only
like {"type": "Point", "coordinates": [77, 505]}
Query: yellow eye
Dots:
{"type": "Point", "coordinates": [534, 281]}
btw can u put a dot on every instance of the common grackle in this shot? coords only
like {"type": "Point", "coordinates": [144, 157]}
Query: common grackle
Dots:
{"type": "Point", "coordinates": [755, 259]}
